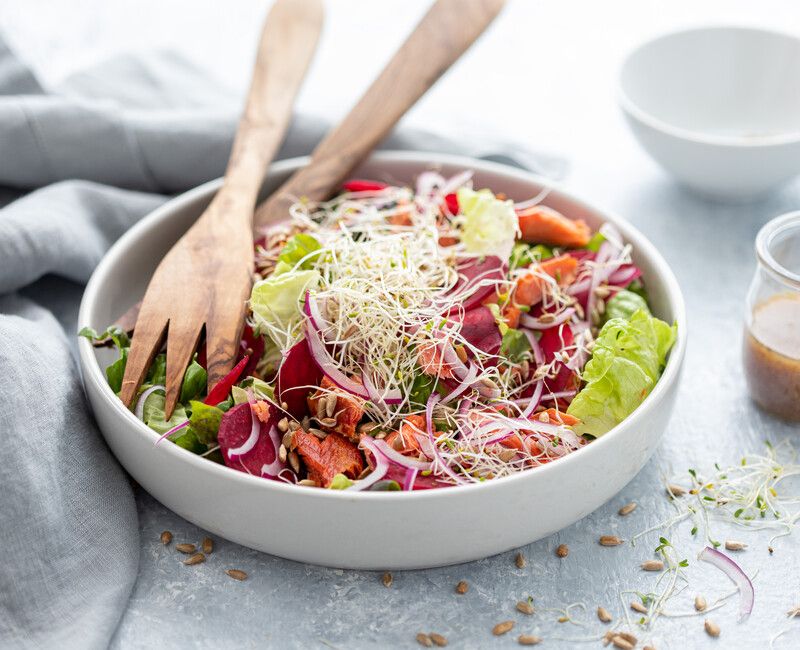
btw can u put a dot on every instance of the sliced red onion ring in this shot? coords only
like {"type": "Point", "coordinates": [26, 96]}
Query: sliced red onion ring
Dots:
{"type": "Point", "coordinates": [538, 324]}
{"type": "Point", "coordinates": [381, 466]}
{"type": "Point", "coordinates": [535, 399]}
{"type": "Point", "coordinates": [397, 458]}
{"type": "Point", "coordinates": [139, 410]}
{"type": "Point", "coordinates": [411, 476]}
{"type": "Point", "coordinates": [538, 355]}
{"type": "Point", "coordinates": [432, 401]}
{"type": "Point", "coordinates": [735, 573]}
{"type": "Point", "coordinates": [252, 439]}
{"type": "Point", "coordinates": [465, 384]}
{"type": "Point", "coordinates": [173, 430]}
{"type": "Point", "coordinates": [624, 276]}
{"type": "Point", "coordinates": [563, 394]}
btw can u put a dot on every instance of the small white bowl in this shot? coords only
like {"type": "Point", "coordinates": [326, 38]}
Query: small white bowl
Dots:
{"type": "Point", "coordinates": [717, 107]}
{"type": "Point", "coordinates": [373, 530]}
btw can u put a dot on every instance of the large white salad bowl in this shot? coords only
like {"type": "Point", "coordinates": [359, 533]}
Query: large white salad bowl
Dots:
{"type": "Point", "coordinates": [373, 530]}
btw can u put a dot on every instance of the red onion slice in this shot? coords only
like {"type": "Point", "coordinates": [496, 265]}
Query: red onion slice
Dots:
{"type": "Point", "coordinates": [411, 476]}
{"type": "Point", "coordinates": [173, 430]}
{"type": "Point", "coordinates": [465, 384]}
{"type": "Point", "coordinates": [139, 410]}
{"type": "Point", "coordinates": [432, 401]}
{"type": "Point", "coordinates": [397, 458]}
{"type": "Point", "coordinates": [538, 324]}
{"type": "Point", "coordinates": [381, 466]}
{"type": "Point", "coordinates": [735, 573]}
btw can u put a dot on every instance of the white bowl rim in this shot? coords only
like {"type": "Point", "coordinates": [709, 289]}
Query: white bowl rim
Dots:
{"type": "Point", "coordinates": [669, 376]}
{"type": "Point", "coordinates": [700, 137]}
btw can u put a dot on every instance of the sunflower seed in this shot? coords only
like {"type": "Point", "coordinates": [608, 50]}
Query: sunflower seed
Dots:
{"type": "Point", "coordinates": [712, 629]}
{"type": "Point", "coordinates": [320, 410]}
{"type": "Point", "coordinates": [305, 423]}
{"type": "Point", "coordinates": [610, 540]}
{"type": "Point", "coordinates": [327, 422]}
{"type": "Point", "coordinates": [236, 574]}
{"type": "Point", "coordinates": [319, 433]}
{"type": "Point", "coordinates": [649, 647]}
{"type": "Point", "coordinates": [424, 640]}
{"type": "Point", "coordinates": [700, 603]}
{"type": "Point", "coordinates": [294, 461]}
{"type": "Point", "coordinates": [307, 482]}
{"type": "Point", "coordinates": [520, 561]}
{"type": "Point", "coordinates": [387, 579]}
{"type": "Point", "coordinates": [544, 416]}
{"type": "Point", "coordinates": [507, 454]}
{"type": "Point", "coordinates": [562, 550]}
{"type": "Point", "coordinates": [528, 639]}
{"type": "Point", "coordinates": [166, 537]}
{"type": "Point", "coordinates": [285, 406]}
{"type": "Point", "coordinates": [525, 607]}
{"type": "Point", "coordinates": [197, 558]}
{"type": "Point", "coordinates": [185, 548]}
{"type": "Point", "coordinates": [283, 425]}
{"type": "Point", "coordinates": [502, 628]}
{"type": "Point", "coordinates": [461, 353]}
{"type": "Point", "coordinates": [628, 637]}
{"type": "Point", "coordinates": [675, 490]}
{"type": "Point", "coordinates": [366, 427]}
{"type": "Point", "coordinates": [627, 509]}
{"type": "Point", "coordinates": [438, 639]}
{"type": "Point", "coordinates": [208, 545]}
{"type": "Point", "coordinates": [733, 545]}
{"type": "Point", "coordinates": [462, 587]}
{"type": "Point", "coordinates": [294, 426]}
{"type": "Point", "coordinates": [653, 565]}
{"type": "Point", "coordinates": [794, 612]}
{"type": "Point", "coordinates": [330, 405]}
{"type": "Point", "coordinates": [488, 383]}
{"type": "Point", "coordinates": [604, 615]}
{"type": "Point", "coordinates": [636, 606]}
{"type": "Point", "coordinates": [622, 643]}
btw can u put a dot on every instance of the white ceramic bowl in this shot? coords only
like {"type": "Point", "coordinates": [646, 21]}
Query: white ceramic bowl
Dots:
{"type": "Point", "coordinates": [372, 530]}
{"type": "Point", "coordinates": [718, 108]}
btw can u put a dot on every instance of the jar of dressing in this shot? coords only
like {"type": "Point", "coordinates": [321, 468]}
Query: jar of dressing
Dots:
{"type": "Point", "coordinates": [772, 329]}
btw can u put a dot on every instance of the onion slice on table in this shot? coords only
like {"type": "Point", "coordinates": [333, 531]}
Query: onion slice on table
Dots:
{"type": "Point", "coordinates": [735, 573]}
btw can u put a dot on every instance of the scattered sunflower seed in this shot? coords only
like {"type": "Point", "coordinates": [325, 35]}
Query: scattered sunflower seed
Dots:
{"type": "Point", "coordinates": [318, 432]}
{"type": "Point", "coordinates": [525, 607]}
{"type": "Point", "coordinates": [424, 640]}
{"type": "Point", "coordinates": [288, 439]}
{"type": "Point", "coordinates": [185, 548]}
{"type": "Point", "coordinates": [653, 565]}
{"type": "Point", "coordinates": [387, 579]}
{"type": "Point", "coordinates": [462, 587]}
{"type": "Point", "coordinates": [675, 490]}
{"type": "Point", "coordinates": [562, 550]}
{"type": "Point", "coordinates": [283, 425]}
{"type": "Point", "coordinates": [607, 637]}
{"type": "Point", "coordinates": [197, 558]}
{"type": "Point", "coordinates": [438, 639]}
{"type": "Point", "coordinates": [294, 426]}
{"type": "Point", "coordinates": [236, 574]}
{"type": "Point", "coordinates": [330, 405]}
{"type": "Point", "coordinates": [166, 537]}
{"type": "Point", "coordinates": [563, 619]}
{"type": "Point", "coordinates": [628, 637]}
{"type": "Point", "coordinates": [507, 455]}
{"type": "Point", "coordinates": [502, 628]}
{"type": "Point", "coordinates": [622, 643]}
{"type": "Point", "coordinates": [636, 606]}
{"type": "Point", "coordinates": [208, 545]}
{"type": "Point", "coordinates": [604, 615]}
{"type": "Point", "coordinates": [733, 545]}
{"type": "Point", "coordinates": [712, 629]}
{"type": "Point", "coordinates": [294, 461]}
{"type": "Point", "coordinates": [528, 639]}
{"type": "Point", "coordinates": [627, 509]}
{"type": "Point", "coordinates": [794, 612]}
{"type": "Point", "coordinates": [307, 482]}
{"type": "Point", "coordinates": [285, 406]}
{"type": "Point", "coordinates": [700, 603]}
{"type": "Point", "coordinates": [649, 647]}
{"type": "Point", "coordinates": [282, 453]}
{"type": "Point", "coordinates": [610, 540]}
{"type": "Point", "coordinates": [520, 561]}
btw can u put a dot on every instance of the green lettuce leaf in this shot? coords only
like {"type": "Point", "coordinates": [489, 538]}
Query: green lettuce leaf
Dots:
{"type": "Point", "coordinates": [340, 482]}
{"type": "Point", "coordinates": [194, 381]}
{"type": "Point", "coordinates": [624, 305]}
{"type": "Point", "coordinates": [153, 414]}
{"type": "Point", "coordinates": [627, 360]}
{"type": "Point", "coordinates": [488, 225]}
{"type": "Point", "coordinates": [204, 422]}
{"type": "Point", "coordinates": [515, 344]}
{"type": "Point", "coordinates": [298, 247]}
{"type": "Point", "coordinates": [116, 371]}
{"type": "Point", "coordinates": [523, 255]}
{"type": "Point", "coordinates": [277, 300]}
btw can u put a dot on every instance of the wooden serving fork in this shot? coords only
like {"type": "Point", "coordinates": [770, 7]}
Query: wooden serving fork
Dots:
{"type": "Point", "coordinates": [441, 37]}
{"type": "Point", "coordinates": [206, 278]}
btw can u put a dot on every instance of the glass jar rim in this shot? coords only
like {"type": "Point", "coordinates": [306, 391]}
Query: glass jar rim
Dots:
{"type": "Point", "coordinates": [764, 240]}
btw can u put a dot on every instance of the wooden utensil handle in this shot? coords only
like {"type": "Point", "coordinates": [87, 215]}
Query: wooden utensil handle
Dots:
{"type": "Point", "coordinates": [285, 49]}
{"type": "Point", "coordinates": [444, 33]}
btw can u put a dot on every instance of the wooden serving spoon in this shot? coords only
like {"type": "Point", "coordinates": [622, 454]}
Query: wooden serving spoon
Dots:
{"type": "Point", "coordinates": [441, 37]}
{"type": "Point", "coordinates": [206, 277]}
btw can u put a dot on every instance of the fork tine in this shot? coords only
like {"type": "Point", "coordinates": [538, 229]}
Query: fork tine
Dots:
{"type": "Point", "coordinates": [182, 338]}
{"type": "Point", "coordinates": [222, 345]}
{"type": "Point", "coordinates": [144, 346]}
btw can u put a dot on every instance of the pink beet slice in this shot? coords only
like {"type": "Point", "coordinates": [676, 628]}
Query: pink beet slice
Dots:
{"type": "Point", "coordinates": [234, 431]}
{"type": "Point", "coordinates": [480, 329]}
{"type": "Point", "coordinates": [475, 270]}
{"type": "Point", "coordinates": [297, 377]}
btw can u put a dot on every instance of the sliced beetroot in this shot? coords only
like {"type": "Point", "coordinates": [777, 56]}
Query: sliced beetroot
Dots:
{"type": "Point", "coordinates": [298, 376]}
{"type": "Point", "coordinates": [474, 270]}
{"type": "Point", "coordinates": [234, 431]}
{"type": "Point", "coordinates": [479, 328]}
{"type": "Point", "coordinates": [550, 343]}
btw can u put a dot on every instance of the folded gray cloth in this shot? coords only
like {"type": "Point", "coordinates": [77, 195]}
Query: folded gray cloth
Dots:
{"type": "Point", "coordinates": [95, 157]}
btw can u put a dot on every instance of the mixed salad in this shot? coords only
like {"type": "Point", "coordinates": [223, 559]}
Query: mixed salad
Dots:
{"type": "Point", "coordinates": [410, 338]}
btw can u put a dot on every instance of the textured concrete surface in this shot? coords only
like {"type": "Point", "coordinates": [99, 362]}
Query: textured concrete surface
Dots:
{"type": "Point", "coordinates": [551, 68]}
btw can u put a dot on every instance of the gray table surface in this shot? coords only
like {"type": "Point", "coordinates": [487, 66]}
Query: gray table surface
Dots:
{"type": "Point", "coordinates": [567, 106]}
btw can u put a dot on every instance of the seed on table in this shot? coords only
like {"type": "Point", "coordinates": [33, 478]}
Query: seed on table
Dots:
{"type": "Point", "coordinates": [636, 606]}
{"type": "Point", "coordinates": [424, 640]}
{"type": "Point", "coordinates": [387, 579]}
{"type": "Point", "coordinates": [462, 587]}
{"type": "Point", "coordinates": [604, 615]}
{"type": "Point", "coordinates": [525, 607]}
{"type": "Point", "coordinates": [185, 548]}
{"type": "Point", "coordinates": [197, 558]}
{"type": "Point", "coordinates": [675, 490]}
{"type": "Point", "coordinates": [733, 545]}
{"type": "Point", "coordinates": [520, 561]}
{"type": "Point", "coordinates": [700, 603]}
{"type": "Point", "coordinates": [610, 540]}
{"type": "Point", "coordinates": [208, 545]}
{"type": "Point", "coordinates": [627, 509]}
{"type": "Point", "coordinates": [712, 629]}
{"type": "Point", "coordinates": [562, 550]}
{"type": "Point", "coordinates": [438, 639]}
{"type": "Point", "coordinates": [649, 647]}
{"type": "Point", "coordinates": [528, 639]}
{"type": "Point", "coordinates": [607, 637]}
{"type": "Point", "coordinates": [562, 619]}
{"type": "Point", "coordinates": [653, 565]}
{"type": "Point", "coordinates": [502, 628]}
{"type": "Point", "coordinates": [236, 574]}
{"type": "Point", "coordinates": [620, 642]}
{"type": "Point", "coordinates": [166, 537]}
{"type": "Point", "coordinates": [627, 636]}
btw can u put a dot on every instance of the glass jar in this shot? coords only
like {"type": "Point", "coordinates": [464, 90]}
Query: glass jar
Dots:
{"type": "Point", "coordinates": [772, 328]}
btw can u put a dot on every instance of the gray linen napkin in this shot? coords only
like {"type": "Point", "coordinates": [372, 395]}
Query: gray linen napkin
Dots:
{"type": "Point", "coordinates": [93, 157]}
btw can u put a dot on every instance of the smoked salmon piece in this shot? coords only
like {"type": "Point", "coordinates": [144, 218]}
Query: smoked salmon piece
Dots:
{"type": "Point", "coordinates": [542, 225]}
{"type": "Point", "coordinates": [530, 287]}
{"type": "Point", "coordinates": [324, 460]}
